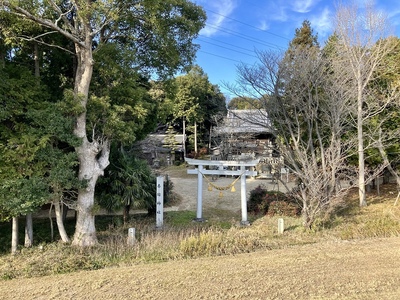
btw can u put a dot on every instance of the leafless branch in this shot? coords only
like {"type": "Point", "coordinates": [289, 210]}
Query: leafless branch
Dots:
{"type": "Point", "coordinates": [62, 16]}
{"type": "Point", "coordinates": [40, 41]}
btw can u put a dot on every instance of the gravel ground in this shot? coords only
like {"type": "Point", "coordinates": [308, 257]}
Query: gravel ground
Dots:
{"type": "Point", "coordinates": [187, 188]}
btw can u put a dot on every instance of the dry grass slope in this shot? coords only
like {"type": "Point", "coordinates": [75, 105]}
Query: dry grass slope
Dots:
{"type": "Point", "coordinates": [368, 269]}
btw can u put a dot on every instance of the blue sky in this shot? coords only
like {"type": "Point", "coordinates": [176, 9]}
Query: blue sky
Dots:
{"type": "Point", "coordinates": [236, 28]}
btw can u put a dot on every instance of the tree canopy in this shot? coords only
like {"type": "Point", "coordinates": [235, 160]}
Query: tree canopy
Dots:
{"type": "Point", "coordinates": [118, 43]}
{"type": "Point", "coordinates": [194, 100]}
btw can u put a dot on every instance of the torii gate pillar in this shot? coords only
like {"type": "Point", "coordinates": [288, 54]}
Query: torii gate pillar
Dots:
{"type": "Point", "coordinates": [200, 171]}
{"type": "Point", "coordinates": [243, 198]}
{"type": "Point", "coordinates": [199, 216]}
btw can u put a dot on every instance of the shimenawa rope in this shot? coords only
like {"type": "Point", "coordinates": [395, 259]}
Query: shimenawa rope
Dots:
{"type": "Point", "coordinates": [231, 186]}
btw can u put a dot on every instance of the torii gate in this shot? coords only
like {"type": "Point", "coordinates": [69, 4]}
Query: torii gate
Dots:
{"type": "Point", "coordinates": [200, 171]}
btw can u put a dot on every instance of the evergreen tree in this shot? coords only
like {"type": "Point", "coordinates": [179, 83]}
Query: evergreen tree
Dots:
{"type": "Point", "coordinates": [158, 34]}
{"type": "Point", "coordinates": [127, 184]}
{"type": "Point", "coordinates": [197, 101]}
{"type": "Point", "coordinates": [304, 37]}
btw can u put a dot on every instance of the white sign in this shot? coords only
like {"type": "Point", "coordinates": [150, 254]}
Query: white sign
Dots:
{"type": "Point", "coordinates": [160, 202]}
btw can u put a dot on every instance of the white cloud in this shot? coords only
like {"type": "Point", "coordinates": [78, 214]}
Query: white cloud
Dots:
{"type": "Point", "coordinates": [263, 25]}
{"type": "Point", "coordinates": [217, 11]}
{"type": "Point", "coordinates": [322, 23]}
{"type": "Point", "coordinates": [276, 11]}
{"type": "Point", "coordinates": [303, 6]}
{"type": "Point", "coordinates": [282, 8]}
{"type": "Point", "coordinates": [280, 14]}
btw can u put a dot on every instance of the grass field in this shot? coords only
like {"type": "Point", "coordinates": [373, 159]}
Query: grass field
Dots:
{"type": "Point", "coordinates": [354, 255]}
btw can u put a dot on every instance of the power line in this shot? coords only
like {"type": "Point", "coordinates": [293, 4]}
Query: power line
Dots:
{"type": "Point", "coordinates": [239, 35]}
{"type": "Point", "coordinates": [249, 25]}
{"type": "Point", "coordinates": [229, 44]}
{"type": "Point", "coordinates": [220, 56]}
{"type": "Point", "coordinates": [230, 49]}
{"type": "Point", "coordinates": [243, 36]}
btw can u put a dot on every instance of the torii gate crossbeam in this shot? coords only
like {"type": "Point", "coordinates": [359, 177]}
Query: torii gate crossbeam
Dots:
{"type": "Point", "coordinates": [200, 171]}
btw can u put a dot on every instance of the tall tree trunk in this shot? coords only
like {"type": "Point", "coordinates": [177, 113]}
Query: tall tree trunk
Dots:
{"type": "Point", "coordinates": [64, 212]}
{"type": "Point", "coordinates": [209, 138]}
{"type": "Point", "coordinates": [2, 59]}
{"type": "Point", "coordinates": [36, 59]}
{"type": "Point", "coordinates": [90, 168]}
{"type": "Point", "coordinates": [28, 231]}
{"type": "Point", "coordinates": [195, 137]}
{"type": "Point", "coordinates": [51, 222]}
{"type": "Point", "coordinates": [92, 155]}
{"type": "Point", "coordinates": [14, 235]}
{"type": "Point", "coordinates": [60, 222]}
{"type": "Point", "coordinates": [360, 137]}
{"type": "Point", "coordinates": [29, 224]}
{"type": "Point", "coordinates": [184, 137]}
{"type": "Point", "coordinates": [127, 208]}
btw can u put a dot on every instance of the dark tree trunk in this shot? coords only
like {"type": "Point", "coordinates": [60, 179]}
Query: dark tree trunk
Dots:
{"type": "Point", "coordinates": [127, 208]}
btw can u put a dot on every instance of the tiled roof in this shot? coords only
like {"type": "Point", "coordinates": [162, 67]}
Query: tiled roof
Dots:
{"type": "Point", "coordinates": [246, 121]}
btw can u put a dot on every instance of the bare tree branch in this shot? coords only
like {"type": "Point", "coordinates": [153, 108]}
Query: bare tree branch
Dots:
{"type": "Point", "coordinates": [40, 41]}
{"type": "Point", "coordinates": [62, 16]}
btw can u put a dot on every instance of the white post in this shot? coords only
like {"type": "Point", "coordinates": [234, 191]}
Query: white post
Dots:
{"type": "Point", "coordinates": [160, 202]}
{"type": "Point", "coordinates": [199, 216]}
{"type": "Point", "coordinates": [195, 137]}
{"type": "Point", "coordinates": [243, 195]}
{"type": "Point", "coordinates": [184, 138]}
{"type": "Point", "coordinates": [131, 236]}
{"type": "Point", "coordinates": [281, 226]}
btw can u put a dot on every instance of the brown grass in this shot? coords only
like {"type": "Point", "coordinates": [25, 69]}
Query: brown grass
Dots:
{"type": "Point", "coordinates": [368, 269]}
{"type": "Point", "coordinates": [354, 255]}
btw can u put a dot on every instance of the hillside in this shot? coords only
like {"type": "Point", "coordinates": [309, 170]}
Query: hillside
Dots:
{"type": "Point", "coordinates": [368, 269]}
{"type": "Point", "coordinates": [348, 260]}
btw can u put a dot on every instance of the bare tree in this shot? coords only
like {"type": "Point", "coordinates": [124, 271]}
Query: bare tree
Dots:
{"type": "Point", "coordinates": [311, 119]}
{"type": "Point", "coordinates": [361, 47]}
{"type": "Point", "coordinates": [308, 116]}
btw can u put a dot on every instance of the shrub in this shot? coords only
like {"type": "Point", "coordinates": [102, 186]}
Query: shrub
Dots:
{"type": "Point", "coordinates": [283, 208]}
{"type": "Point", "coordinates": [261, 199]}
{"type": "Point", "coordinates": [256, 199]}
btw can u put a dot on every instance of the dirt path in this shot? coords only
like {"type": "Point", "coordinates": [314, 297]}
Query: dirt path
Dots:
{"type": "Point", "coordinates": [187, 188]}
{"type": "Point", "coordinates": [368, 269]}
